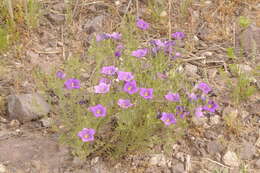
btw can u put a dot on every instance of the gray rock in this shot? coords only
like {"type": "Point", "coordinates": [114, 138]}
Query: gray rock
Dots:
{"type": "Point", "coordinates": [257, 164]}
{"type": "Point", "coordinates": [178, 168]}
{"type": "Point", "coordinates": [27, 107]}
{"type": "Point", "coordinates": [2, 168]}
{"type": "Point", "coordinates": [100, 167]}
{"type": "Point", "coordinates": [202, 121]}
{"type": "Point", "coordinates": [94, 25]}
{"type": "Point", "coordinates": [57, 19]}
{"type": "Point", "coordinates": [244, 68]}
{"type": "Point", "coordinates": [248, 41]}
{"type": "Point", "coordinates": [248, 151]}
{"type": "Point", "coordinates": [231, 159]}
{"type": "Point", "coordinates": [244, 114]}
{"type": "Point", "coordinates": [14, 123]}
{"type": "Point", "coordinates": [230, 112]}
{"type": "Point", "coordinates": [78, 162]}
{"type": "Point", "coordinates": [211, 135]}
{"type": "Point", "coordinates": [33, 57]}
{"type": "Point", "coordinates": [61, 6]}
{"type": "Point", "coordinates": [180, 156]}
{"type": "Point", "coordinates": [3, 120]}
{"type": "Point", "coordinates": [158, 159]}
{"type": "Point", "coordinates": [214, 147]}
{"type": "Point", "coordinates": [191, 69]}
{"type": "Point", "coordinates": [46, 122]}
{"type": "Point", "coordinates": [214, 120]}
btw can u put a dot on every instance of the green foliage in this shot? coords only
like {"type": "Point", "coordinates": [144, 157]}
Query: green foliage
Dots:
{"type": "Point", "coordinates": [32, 13]}
{"type": "Point", "coordinates": [184, 6]}
{"type": "Point", "coordinates": [244, 21]}
{"type": "Point", "coordinates": [121, 131]}
{"type": "Point", "coordinates": [3, 39]}
{"type": "Point", "coordinates": [156, 8]}
{"type": "Point", "coordinates": [242, 89]}
{"type": "Point", "coordinates": [230, 52]}
{"type": "Point", "coordinates": [15, 18]}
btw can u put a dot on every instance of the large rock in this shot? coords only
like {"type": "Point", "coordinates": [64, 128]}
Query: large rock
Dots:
{"type": "Point", "coordinates": [214, 147]}
{"type": "Point", "coordinates": [33, 152]}
{"type": "Point", "coordinates": [231, 159]}
{"type": "Point", "coordinates": [178, 168]}
{"type": "Point", "coordinates": [248, 151]}
{"type": "Point", "coordinates": [27, 107]}
{"type": "Point", "coordinates": [95, 25]}
{"type": "Point", "coordinates": [158, 159]}
{"type": "Point", "coordinates": [248, 41]}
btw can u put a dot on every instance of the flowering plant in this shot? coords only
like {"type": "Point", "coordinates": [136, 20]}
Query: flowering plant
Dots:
{"type": "Point", "coordinates": [135, 96]}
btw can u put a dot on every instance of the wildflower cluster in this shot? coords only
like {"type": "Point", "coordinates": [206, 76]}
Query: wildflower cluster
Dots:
{"type": "Point", "coordinates": [133, 87]}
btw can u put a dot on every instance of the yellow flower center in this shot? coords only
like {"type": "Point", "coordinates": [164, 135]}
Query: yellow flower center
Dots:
{"type": "Point", "coordinates": [146, 94]}
{"type": "Point", "coordinates": [98, 112]}
{"type": "Point", "coordinates": [86, 136]}
{"type": "Point", "coordinates": [168, 120]}
{"type": "Point", "coordinates": [210, 106]}
{"type": "Point", "coordinates": [129, 88]}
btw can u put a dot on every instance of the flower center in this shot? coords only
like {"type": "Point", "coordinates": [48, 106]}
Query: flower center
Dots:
{"type": "Point", "coordinates": [98, 111]}
{"type": "Point", "coordinates": [146, 94]}
{"type": "Point", "coordinates": [129, 88]}
{"type": "Point", "coordinates": [72, 84]}
{"type": "Point", "coordinates": [168, 120]}
{"type": "Point", "coordinates": [210, 106]}
{"type": "Point", "coordinates": [86, 136]}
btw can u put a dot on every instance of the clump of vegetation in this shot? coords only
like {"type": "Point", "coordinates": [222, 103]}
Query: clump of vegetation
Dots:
{"type": "Point", "coordinates": [242, 89]}
{"type": "Point", "coordinates": [16, 17]}
{"type": "Point", "coordinates": [139, 99]}
{"type": "Point", "coordinates": [244, 22]}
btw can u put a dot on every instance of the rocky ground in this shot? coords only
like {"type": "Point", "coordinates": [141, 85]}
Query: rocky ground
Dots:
{"type": "Point", "coordinates": [228, 141]}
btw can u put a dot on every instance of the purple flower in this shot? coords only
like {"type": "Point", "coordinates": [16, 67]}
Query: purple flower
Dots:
{"type": "Point", "coordinates": [161, 75]}
{"type": "Point", "coordinates": [98, 110]}
{"type": "Point", "coordinates": [168, 118]}
{"type": "Point", "coordinates": [192, 97]}
{"type": "Point", "coordinates": [155, 50]}
{"type": "Point", "coordinates": [130, 87]}
{"type": "Point", "coordinates": [158, 43]}
{"type": "Point", "coordinates": [125, 76]}
{"type": "Point", "coordinates": [203, 97]}
{"type": "Point", "coordinates": [211, 106]}
{"type": "Point", "coordinates": [178, 35]}
{"type": "Point", "coordinates": [204, 87]}
{"type": "Point", "coordinates": [146, 93]}
{"type": "Point", "coordinates": [139, 53]}
{"type": "Point", "coordinates": [143, 25]}
{"type": "Point", "coordinates": [198, 112]}
{"type": "Point", "coordinates": [60, 75]}
{"type": "Point", "coordinates": [173, 97]}
{"type": "Point", "coordinates": [115, 36]}
{"type": "Point", "coordinates": [87, 134]}
{"type": "Point", "coordinates": [72, 84]}
{"type": "Point", "coordinates": [101, 37]}
{"type": "Point", "coordinates": [124, 103]}
{"type": "Point", "coordinates": [180, 110]}
{"type": "Point", "coordinates": [109, 70]}
{"type": "Point", "coordinates": [177, 55]}
{"type": "Point", "coordinates": [118, 54]}
{"type": "Point", "coordinates": [120, 47]}
{"type": "Point", "coordinates": [105, 80]}
{"type": "Point", "coordinates": [102, 88]}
